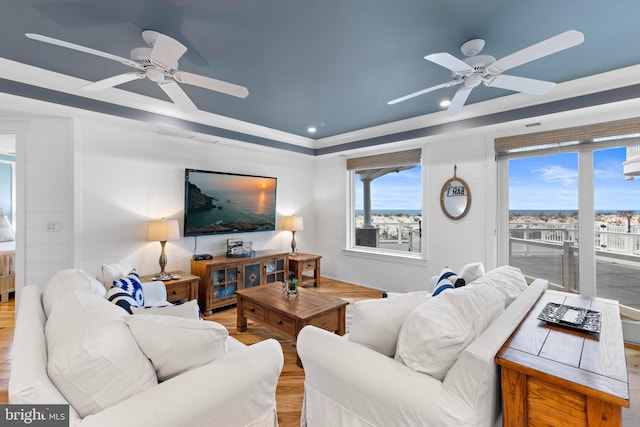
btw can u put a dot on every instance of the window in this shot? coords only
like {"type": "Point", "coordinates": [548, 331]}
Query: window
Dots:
{"type": "Point", "coordinates": [386, 209]}
{"type": "Point", "coordinates": [573, 212]}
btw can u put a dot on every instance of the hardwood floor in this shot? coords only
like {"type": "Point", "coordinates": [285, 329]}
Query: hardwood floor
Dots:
{"type": "Point", "coordinates": [290, 385]}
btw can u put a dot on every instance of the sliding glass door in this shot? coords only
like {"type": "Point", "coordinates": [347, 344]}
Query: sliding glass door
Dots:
{"type": "Point", "coordinates": [617, 231]}
{"type": "Point", "coordinates": [574, 220]}
{"type": "Point", "coordinates": [543, 217]}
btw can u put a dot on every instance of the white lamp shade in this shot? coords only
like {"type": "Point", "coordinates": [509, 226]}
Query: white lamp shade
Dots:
{"type": "Point", "coordinates": [293, 223]}
{"type": "Point", "coordinates": [163, 230]}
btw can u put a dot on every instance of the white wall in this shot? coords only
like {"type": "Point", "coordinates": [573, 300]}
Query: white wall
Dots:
{"type": "Point", "coordinates": [45, 167]}
{"type": "Point", "coordinates": [445, 242]}
{"type": "Point", "coordinates": [128, 177]}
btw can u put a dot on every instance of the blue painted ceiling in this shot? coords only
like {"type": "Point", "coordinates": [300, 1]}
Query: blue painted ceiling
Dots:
{"type": "Point", "coordinates": [332, 64]}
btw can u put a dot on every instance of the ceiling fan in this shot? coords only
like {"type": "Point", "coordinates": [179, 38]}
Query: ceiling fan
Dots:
{"type": "Point", "coordinates": [158, 63]}
{"type": "Point", "coordinates": [476, 69]}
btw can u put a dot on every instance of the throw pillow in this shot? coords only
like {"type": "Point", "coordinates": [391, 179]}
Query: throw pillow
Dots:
{"type": "Point", "coordinates": [6, 232]}
{"type": "Point", "coordinates": [507, 279]}
{"type": "Point", "coordinates": [186, 310]}
{"type": "Point", "coordinates": [122, 299]}
{"type": "Point", "coordinates": [131, 285]}
{"type": "Point", "coordinates": [447, 280]}
{"type": "Point", "coordinates": [376, 322]}
{"type": "Point", "coordinates": [436, 332]}
{"type": "Point", "coordinates": [175, 345]}
{"type": "Point", "coordinates": [472, 271]}
{"type": "Point", "coordinates": [93, 359]}
{"type": "Point", "coordinates": [107, 273]}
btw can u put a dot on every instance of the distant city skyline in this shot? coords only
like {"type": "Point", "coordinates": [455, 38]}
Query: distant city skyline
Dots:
{"type": "Point", "coordinates": [551, 182]}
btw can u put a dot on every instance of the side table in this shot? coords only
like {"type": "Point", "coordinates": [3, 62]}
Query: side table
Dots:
{"type": "Point", "coordinates": [305, 268]}
{"type": "Point", "coordinates": [183, 289]}
{"type": "Point", "coordinates": [558, 376]}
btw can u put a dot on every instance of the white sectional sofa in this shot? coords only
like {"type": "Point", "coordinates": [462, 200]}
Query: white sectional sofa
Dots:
{"type": "Point", "coordinates": [400, 373]}
{"type": "Point", "coordinates": [73, 346]}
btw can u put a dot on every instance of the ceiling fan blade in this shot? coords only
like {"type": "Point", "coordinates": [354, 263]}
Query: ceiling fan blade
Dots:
{"type": "Point", "coordinates": [84, 49]}
{"type": "Point", "coordinates": [450, 62]}
{"type": "Point", "coordinates": [112, 81]}
{"type": "Point", "coordinates": [520, 84]}
{"type": "Point", "coordinates": [459, 100]}
{"type": "Point", "coordinates": [546, 47]}
{"type": "Point", "coordinates": [420, 92]}
{"type": "Point", "coordinates": [212, 84]}
{"type": "Point", "coordinates": [166, 51]}
{"type": "Point", "coordinates": [177, 95]}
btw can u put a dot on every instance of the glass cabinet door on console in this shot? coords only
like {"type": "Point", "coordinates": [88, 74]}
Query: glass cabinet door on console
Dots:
{"type": "Point", "coordinates": [275, 270]}
{"type": "Point", "coordinates": [225, 283]}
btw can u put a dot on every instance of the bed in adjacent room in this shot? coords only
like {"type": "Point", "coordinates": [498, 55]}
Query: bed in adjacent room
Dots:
{"type": "Point", "coordinates": [7, 253]}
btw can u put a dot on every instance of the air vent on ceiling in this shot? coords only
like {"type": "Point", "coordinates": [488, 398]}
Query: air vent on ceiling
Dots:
{"type": "Point", "coordinates": [184, 135]}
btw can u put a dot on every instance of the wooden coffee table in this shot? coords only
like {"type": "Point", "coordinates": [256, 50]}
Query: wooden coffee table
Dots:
{"type": "Point", "coordinates": [267, 305]}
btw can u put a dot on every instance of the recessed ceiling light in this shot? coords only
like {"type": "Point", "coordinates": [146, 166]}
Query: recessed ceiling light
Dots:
{"type": "Point", "coordinates": [311, 129]}
{"type": "Point", "coordinates": [445, 103]}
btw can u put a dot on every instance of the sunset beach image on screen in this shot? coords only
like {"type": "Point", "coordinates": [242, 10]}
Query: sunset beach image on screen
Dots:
{"type": "Point", "coordinates": [221, 203]}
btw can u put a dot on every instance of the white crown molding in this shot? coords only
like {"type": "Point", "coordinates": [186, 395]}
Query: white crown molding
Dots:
{"type": "Point", "coordinates": [584, 86]}
{"type": "Point", "coordinates": [35, 76]}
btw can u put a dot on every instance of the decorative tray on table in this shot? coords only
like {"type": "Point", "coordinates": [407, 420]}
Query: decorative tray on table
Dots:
{"type": "Point", "coordinates": [577, 318]}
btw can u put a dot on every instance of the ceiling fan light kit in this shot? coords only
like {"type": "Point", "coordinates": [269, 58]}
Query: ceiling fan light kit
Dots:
{"type": "Point", "coordinates": [158, 63]}
{"type": "Point", "coordinates": [475, 69]}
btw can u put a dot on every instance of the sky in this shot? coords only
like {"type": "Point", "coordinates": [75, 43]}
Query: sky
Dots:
{"type": "Point", "coordinates": [551, 182]}
{"type": "Point", "coordinates": [537, 183]}
{"type": "Point", "coordinates": [397, 191]}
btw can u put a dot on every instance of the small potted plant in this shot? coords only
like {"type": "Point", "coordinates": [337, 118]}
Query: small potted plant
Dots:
{"type": "Point", "coordinates": [291, 287]}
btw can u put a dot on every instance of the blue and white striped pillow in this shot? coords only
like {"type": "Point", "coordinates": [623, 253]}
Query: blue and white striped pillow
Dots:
{"type": "Point", "coordinates": [121, 298]}
{"type": "Point", "coordinates": [127, 291]}
{"type": "Point", "coordinates": [447, 280]}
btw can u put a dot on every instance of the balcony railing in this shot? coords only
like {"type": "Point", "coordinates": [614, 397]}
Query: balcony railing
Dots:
{"type": "Point", "coordinates": [550, 250]}
{"type": "Point", "coordinates": [608, 238]}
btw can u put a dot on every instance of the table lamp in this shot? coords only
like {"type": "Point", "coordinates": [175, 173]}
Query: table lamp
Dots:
{"type": "Point", "coordinates": [161, 231]}
{"type": "Point", "coordinates": [293, 223]}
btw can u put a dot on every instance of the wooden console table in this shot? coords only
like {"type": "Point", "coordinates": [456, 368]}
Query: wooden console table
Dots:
{"type": "Point", "coordinates": [552, 375]}
{"type": "Point", "coordinates": [222, 276]}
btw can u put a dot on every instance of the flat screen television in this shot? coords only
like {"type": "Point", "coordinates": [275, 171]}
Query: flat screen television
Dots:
{"type": "Point", "coordinates": [224, 203]}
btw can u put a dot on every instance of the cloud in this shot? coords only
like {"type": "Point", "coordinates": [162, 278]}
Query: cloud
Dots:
{"type": "Point", "coordinates": [556, 174]}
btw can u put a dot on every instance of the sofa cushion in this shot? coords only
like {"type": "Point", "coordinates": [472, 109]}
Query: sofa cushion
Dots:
{"type": "Point", "coordinates": [132, 286]}
{"type": "Point", "coordinates": [70, 280]}
{"type": "Point", "coordinates": [94, 360]}
{"type": "Point", "coordinates": [186, 310]}
{"type": "Point", "coordinates": [29, 382]}
{"type": "Point", "coordinates": [438, 330]}
{"type": "Point", "coordinates": [377, 322]}
{"type": "Point", "coordinates": [507, 279]}
{"type": "Point", "coordinates": [174, 344]}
